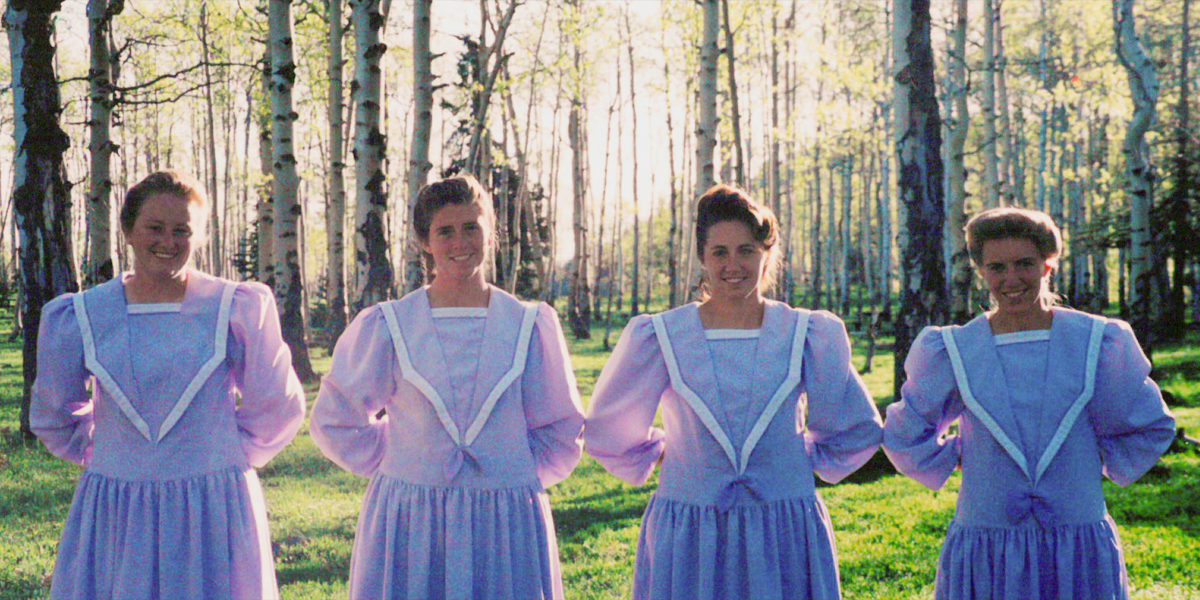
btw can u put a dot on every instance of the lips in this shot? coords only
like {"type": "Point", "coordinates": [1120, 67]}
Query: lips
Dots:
{"type": "Point", "coordinates": [163, 255]}
{"type": "Point", "coordinates": [462, 258]}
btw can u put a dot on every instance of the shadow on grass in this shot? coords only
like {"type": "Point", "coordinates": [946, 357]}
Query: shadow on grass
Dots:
{"type": "Point", "coordinates": [879, 466]}
{"type": "Point", "coordinates": [586, 517]}
{"type": "Point", "coordinates": [320, 554]}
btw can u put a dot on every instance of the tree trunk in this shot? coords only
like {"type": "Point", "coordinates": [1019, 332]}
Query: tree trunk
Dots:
{"type": "Point", "coordinates": [706, 124]}
{"type": "Point", "coordinates": [41, 190]}
{"type": "Point", "coordinates": [672, 247]}
{"type": "Point", "coordinates": [579, 312]}
{"type": "Point", "coordinates": [266, 206]}
{"type": "Point", "coordinates": [1139, 171]}
{"type": "Point", "coordinates": [1183, 235]}
{"type": "Point", "coordinates": [98, 267]}
{"type": "Point", "coordinates": [956, 172]}
{"type": "Point", "coordinates": [374, 281]}
{"type": "Point", "coordinates": [1004, 127]}
{"type": "Point", "coordinates": [335, 212]}
{"type": "Point", "coordinates": [289, 273]}
{"type": "Point", "coordinates": [491, 59]}
{"type": "Point", "coordinates": [991, 171]}
{"type": "Point", "coordinates": [216, 254]}
{"type": "Point", "coordinates": [634, 308]}
{"type": "Point", "coordinates": [918, 151]}
{"type": "Point", "coordinates": [739, 163]}
{"type": "Point", "coordinates": [418, 158]}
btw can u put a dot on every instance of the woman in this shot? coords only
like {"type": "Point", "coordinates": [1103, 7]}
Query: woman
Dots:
{"type": "Point", "coordinates": [1049, 399]}
{"type": "Point", "coordinates": [192, 389]}
{"type": "Point", "coordinates": [736, 514]}
{"type": "Point", "coordinates": [482, 415]}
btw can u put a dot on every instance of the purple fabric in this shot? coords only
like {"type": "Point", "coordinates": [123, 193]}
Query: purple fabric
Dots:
{"type": "Point", "coordinates": [710, 532]}
{"type": "Point", "coordinates": [1016, 535]}
{"type": "Point", "coordinates": [180, 515]}
{"type": "Point", "coordinates": [443, 519]}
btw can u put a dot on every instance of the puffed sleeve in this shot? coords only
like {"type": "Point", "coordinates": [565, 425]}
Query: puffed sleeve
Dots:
{"type": "Point", "coordinates": [272, 399]}
{"type": "Point", "coordinates": [1132, 424]}
{"type": "Point", "coordinates": [552, 408]}
{"type": "Point", "coordinates": [60, 413]}
{"type": "Point", "coordinates": [620, 432]}
{"type": "Point", "coordinates": [358, 386]}
{"type": "Point", "coordinates": [914, 435]}
{"type": "Point", "coordinates": [843, 425]}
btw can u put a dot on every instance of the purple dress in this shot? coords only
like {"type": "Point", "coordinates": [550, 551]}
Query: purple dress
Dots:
{"type": "Point", "coordinates": [749, 415]}
{"type": "Point", "coordinates": [482, 416]}
{"type": "Point", "coordinates": [1043, 415]}
{"type": "Point", "coordinates": [169, 505]}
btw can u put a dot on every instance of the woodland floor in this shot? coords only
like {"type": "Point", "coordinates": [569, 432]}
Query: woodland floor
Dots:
{"type": "Point", "coordinates": [888, 528]}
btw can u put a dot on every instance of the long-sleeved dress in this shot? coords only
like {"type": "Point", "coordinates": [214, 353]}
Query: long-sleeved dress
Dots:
{"type": "Point", "coordinates": [169, 505]}
{"type": "Point", "coordinates": [1043, 415]}
{"type": "Point", "coordinates": [482, 414]}
{"type": "Point", "coordinates": [749, 416]}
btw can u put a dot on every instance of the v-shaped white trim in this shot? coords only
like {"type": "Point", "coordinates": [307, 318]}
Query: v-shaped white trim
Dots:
{"type": "Point", "coordinates": [220, 341]}
{"type": "Point", "coordinates": [964, 387]}
{"type": "Point", "coordinates": [795, 364]}
{"type": "Point", "coordinates": [220, 337]}
{"type": "Point", "coordinates": [439, 404]}
{"type": "Point", "coordinates": [102, 374]}
{"type": "Point", "coordinates": [1089, 388]}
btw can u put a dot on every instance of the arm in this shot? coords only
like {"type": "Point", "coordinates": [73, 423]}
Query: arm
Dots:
{"type": "Point", "coordinates": [552, 409]}
{"type": "Point", "coordinates": [914, 435]}
{"type": "Point", "coordinates": [358, 386]}
{"type": "Point", "coordinates": [272, 405]}
{"type": "Point", "coordinates": [61, 406]}
{"type": "Point", "coordinates": [1133, 426]}
{"type": "Point", "coordinates": [843, 425]}
{"type": "Point", "coordinates": [619, 431]}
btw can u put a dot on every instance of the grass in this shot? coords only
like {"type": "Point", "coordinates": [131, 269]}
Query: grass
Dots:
{"type": "Point", "coordinates": [889, 528]}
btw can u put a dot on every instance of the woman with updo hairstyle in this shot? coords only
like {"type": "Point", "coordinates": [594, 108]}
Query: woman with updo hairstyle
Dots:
{"type": "Point", "coordinates": [192, 389]}
{"type": "Point", "coordinates": [756, 397]}
{"type": "Point", "coordinates": [480, 416]}
{"type": "Point", "coordinates": [1048, 401]}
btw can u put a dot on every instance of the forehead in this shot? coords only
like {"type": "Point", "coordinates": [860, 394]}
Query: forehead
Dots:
{"type": "Point", "coordinates": [169, 207]}
{"type": "Point", "coordinates": [1008, 250]}
{"type": "Point", "coordinates": [456, 213]}
{"type": "Point", "coordinates": [730, 233]}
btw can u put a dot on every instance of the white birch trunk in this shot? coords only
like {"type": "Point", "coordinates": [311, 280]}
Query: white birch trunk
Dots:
{"type": "Point", "coordinates": [956, 172]}
{"type": "Point", "coordinates": [373, 282]}
{"type": "Point", "coordinates": [98, 266]}
{"type": "Point", "coordinates": [706, 123]}
{"type": "Point", "coordinates": [335, 212]}
{"type": "Point", "coordinates": [418, 157]}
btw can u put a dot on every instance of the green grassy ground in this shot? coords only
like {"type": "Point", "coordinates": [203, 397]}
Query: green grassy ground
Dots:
{"type": "Point", "coordinates": [888, 528]}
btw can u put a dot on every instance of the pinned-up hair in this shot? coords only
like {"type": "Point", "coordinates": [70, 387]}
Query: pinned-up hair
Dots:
{"type": "Point", "coordinates": [723, 203]}
{"type": "Point", "coordinates": [161, 183]}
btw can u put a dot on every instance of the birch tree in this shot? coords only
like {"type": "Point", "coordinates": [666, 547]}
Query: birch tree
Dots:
{"type": "Point", "coordinates": [1139, 169]}
{"type": "Point", "coordinates": [918, 153]}
{"type": "Point", "coordinates": [98, 266]}
{"type": "Point", "coordinates": [418, 157]}
{"type": "Point", "coordinates": [289, 272]}
{"type": "Point", "coordinates": [374, 281]}
{"type": "Point", "coordinates": [956, 170]}
{"type": "Point", "coordinates": [706, 111]}
{"type": "Point", "coordinates": [41, 190]}
{"type": "Point", "coordinates": [335, 207]}
{"type": "Point", "coordinates": [579, 309]}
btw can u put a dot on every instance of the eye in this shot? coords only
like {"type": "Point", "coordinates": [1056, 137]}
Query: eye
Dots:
{"type": "Point", "coordinates": [183, 232]}
{"type": "Point", "coordinates": [719, 251]}
{"type": "Point", "coordinates": [995, 268]}
{"type": "Point", "coordinates": [1025, 263]}
{"type": "Point", "coordinates": [471, 227]}
{"type": "Point", "coordinates": [445, 231]}
{"type": "Point", "coordinates": [746, 250]}
{"type": "Point", "coordinates": [155, 228]}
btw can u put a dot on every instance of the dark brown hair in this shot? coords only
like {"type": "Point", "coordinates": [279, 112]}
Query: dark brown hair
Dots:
{"type": "Point", "coordinates": [723, 203]}
{"type": "Point", "coordinates": [459, 189]}
{"type": "Point", "coordinates": [168, 183]}
{"type": "Point", "coordinates": [1009, 222]}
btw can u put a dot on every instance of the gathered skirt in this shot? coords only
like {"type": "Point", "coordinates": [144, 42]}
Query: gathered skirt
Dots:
{"type": "Point", "coordinates": [419, 541]}
{"type": "Point", "coordinates": [197, 537]}
{"type": "Point", "coordinates": [783, 549]}
{"type": "Point", "coordinates": [1077, 561]}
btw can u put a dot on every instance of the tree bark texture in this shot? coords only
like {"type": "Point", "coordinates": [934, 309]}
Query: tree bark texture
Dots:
{"type": "Point", "coordinates": [418, 157]}
{"type": "Point", "coordinates": [706, 123]}
{"type": "Point", "coordinates": [335, 212]}
{"type": "Point", "coordinates": [98, 265]}
{"type": "Point", "coordinates": [918, 154]}
{"type": "Point", "coordinates": [956, 172]}
{"type": "Point", "coordinates": [579, 306]}
{"type": "Point", "coordinates": [266, 207]}
{"type": "Point", "coordinates": [1139, 170]}
{"type": "Point", "coordinates": [289, 272]}
{"type": "Point", "coordinates": [374, 280]}
{"type": "Point", "coordinates": [41, 190]}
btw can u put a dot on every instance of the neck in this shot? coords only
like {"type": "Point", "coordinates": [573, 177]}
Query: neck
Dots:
{"type": "Point", "coordinates": [1026, 320]}
{"type": "Point", "coordinates": [446, 292]}
{"type": "Point", "coordinates": [744, 312]}
{"type": "Point", "coordinates": [141, 287]}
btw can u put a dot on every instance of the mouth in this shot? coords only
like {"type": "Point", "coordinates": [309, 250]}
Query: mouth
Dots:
{"type": "Point", "coordinates": [733, 280]}
{"type": "Point", "coordinates": [163, 255]}
{"type": "Point", "coordinates": [1014, 295]}
{"type": "Point", "coordinates": [461, 258]}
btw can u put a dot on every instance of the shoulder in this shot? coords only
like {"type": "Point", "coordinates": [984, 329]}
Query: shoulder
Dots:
{"type": "Point", "coordinates": [61, 307]}
{"type": "Point", "coordinates": [250, 292]}
{"type": "Point", "coordinates": [1081, 323]}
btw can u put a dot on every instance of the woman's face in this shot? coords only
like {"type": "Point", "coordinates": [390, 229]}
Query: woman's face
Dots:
{"type": "Point", "coordinates": [734, 262]}
{"type": "Point", "coordinates": [167, 230]}
{"type": "Point", "coordinates": [1014, 272]}
{"type": "Point", "coordinates": [458, 240]}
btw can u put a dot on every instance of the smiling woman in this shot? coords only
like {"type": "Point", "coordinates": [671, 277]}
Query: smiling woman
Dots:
{"type": "Point", "coordinates": [193, 390]}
